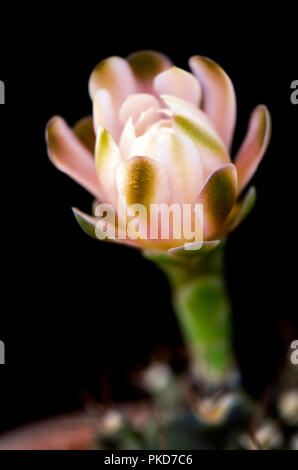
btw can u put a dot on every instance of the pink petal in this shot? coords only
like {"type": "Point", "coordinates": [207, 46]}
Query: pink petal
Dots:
{"type": "Point", "coordinates": [218, 95]}
{"type": "Point", "coordinates": [148, 117]}
{"type": "Point", "coordinates": [69, 155]}
{"type": "Point", "coordinates": [135, 104]}
{"type": "Point", "coordinates": [179, 83]}
{"type": "Point", "coordinates": [115, 75]}
{"type": "Point", "coordinates": [254, 145]}
{"type": "Point", "coordinates": [84, 131]}
{"type": "Point", "coordinates": [104, 113]}
{"type": "Point", "coordinates": [126, 140]}
{"type": "Point", "coordinates": [146, 65]}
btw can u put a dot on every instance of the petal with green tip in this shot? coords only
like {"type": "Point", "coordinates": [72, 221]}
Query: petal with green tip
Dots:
{"type": "Point", "coordinates": [84, 131]}
{"type": "Point", "coordinates": [178, 154]}
{"type": "Point", "coordinates": [69, 155]}
{"type": "Point", "coordinates": [89, 226]}
{"type": "Point", "coordinates": [142, 180]}
{"type": "Point", "coordinates": [107, 158]}
{"type": "Point", "coordinates": [218, 196]}
{"type": "Point", "coordinates": [191, 250]}
{"type": "Point", "coordinates": [240, 210]}
{"type": "Point", "coordinates": [211, 148]}
{"type": "Point", "coordinates": [179, 83]}
{"type": "Point", "coordinates": [146, 65]}
{"type": "Point", "coordinates": [178, 104]}
{"type": "Point", "coordinates": [218, 95]}
{"type": "Point", "coordinates": [115, 75]}
{"type": "Point", "coordinates": [254, 145]}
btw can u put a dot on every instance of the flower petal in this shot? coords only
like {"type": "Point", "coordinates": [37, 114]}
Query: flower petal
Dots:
{"type": "Point", "coordinates": [179, 155]}
{"type": "Point", "coordinates": [212, 150]}
{"type": "Point", "coordinates": [179, 83]}
{"type": "Point", "coordinates": [254, 145]}
{"type": "Point", "coordinates": [84, 131]}
{"type": "Point", "coordinates": [107, 158]}
{"type": "Point", "coordinates": [104, 113]}
{"type": "Point", "coordinates": [218, 95]}
{"type": "Point", "coordinates": [178, 104]}
{"type": "Point", "coordinates": [88, 224]}
{"type": "Point", "coordinates": [240, 211]}
{"type": "Point", "coordinates": [127, 138]}
{"type": "Point", "coordinates": [115, 75]}
{"type": "Point", "coordinates": [135, 104]}
{"type": "Point", "coordinates": [70, 156]}
{"type": "Point", "coordinates": [193, 253]}
{"type": "Point", "coordinates": [148, 117]}
{"type": "Point", "coordinates": [142, 180]}
{"type": "Point", "coordinates": [146, 65]}
{"type": "Point", "coordinates": [218, 196]}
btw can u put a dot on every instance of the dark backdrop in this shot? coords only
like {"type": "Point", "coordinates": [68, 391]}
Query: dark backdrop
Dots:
{"type": "Point", "coordinates": [78, 315]}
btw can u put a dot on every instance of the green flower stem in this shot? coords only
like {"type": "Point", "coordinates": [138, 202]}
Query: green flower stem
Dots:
{"type": "Point", "coordinates": [203, 310]}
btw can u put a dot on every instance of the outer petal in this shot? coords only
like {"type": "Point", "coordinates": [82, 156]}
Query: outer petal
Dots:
{"type": "Point", "coordinates": [115, 75]}
{"type": "Point", "coordinates": [218, 196]}
{"type": "Point", "coordinates": [107, 157]}
{"type": "Point", "coordinates": [88, 224]}
{"type": "Point", "coordinates": [104, 113]}
{"type": "Point", "coordinates": [146, 65]}
{"type": "Point", "coordinates": [84, 131]}
{"type": "Point", "coordinates": [212, 150]}
{"type": "Point", "coordinates": [178, 154]}
{"type": "Point", "coordinates": [206, 247]}
{"type": "Point", "coordinates": [70, 156]}
{"type": "Point", "coordinates": [179, 83]}
{"type": "Point", "coordinates": [218, 95]}
{"type": "Point", "coordinates": [142, 180]}
{"type": "Point", "coordinates": [135, 104]}
{"type": "Point", "coordinates": [240, 211]}
{"type": "Point", "coordinates": [254, 145]}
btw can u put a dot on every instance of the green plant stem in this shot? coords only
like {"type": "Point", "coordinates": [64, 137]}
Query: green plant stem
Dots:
{"type": "Point", "coordinates": [203, 311]}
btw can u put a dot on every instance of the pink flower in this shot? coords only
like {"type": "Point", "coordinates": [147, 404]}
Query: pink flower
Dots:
{"type": "Point", "coordinates": [160, 134]}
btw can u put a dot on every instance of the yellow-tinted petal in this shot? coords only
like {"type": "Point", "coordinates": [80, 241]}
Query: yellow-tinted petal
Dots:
{"type": "Point", "coordinates": [211, 148]}
{"type": "Point", "coordinates": [107, 157]}
{"type": "Point", "coordinates": [178, 155]}
{"type": "Point", "coordinates": [218, 196]}
{"type": "Point", "coordinates": [142, 180]}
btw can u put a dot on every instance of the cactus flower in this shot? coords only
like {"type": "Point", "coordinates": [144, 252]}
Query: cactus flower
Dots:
{"type": "Point", "coordinates": [162, 135]}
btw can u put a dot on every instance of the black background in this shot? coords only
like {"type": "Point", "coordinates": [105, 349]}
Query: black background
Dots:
{"type": "Point", "coordinates": [77, 315]}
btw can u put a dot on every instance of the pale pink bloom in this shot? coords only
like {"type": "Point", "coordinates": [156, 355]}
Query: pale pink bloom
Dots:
{"type": "Point", "coordinates": [160, 134]}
